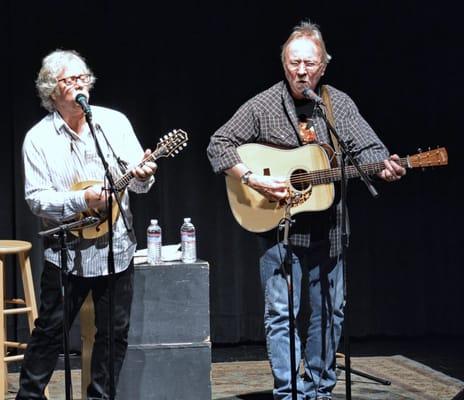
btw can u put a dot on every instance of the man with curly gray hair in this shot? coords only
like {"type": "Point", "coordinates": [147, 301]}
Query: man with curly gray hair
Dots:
{"type": "Point", "coordinates": [59, 153]}
{"type": "Point", "coordinates": [46, 82]}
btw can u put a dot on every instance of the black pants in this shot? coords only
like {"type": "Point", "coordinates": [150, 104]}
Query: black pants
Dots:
{"type": "Point", "coordinates": [46, 339]}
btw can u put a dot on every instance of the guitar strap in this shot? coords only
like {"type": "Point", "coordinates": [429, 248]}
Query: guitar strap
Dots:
{"type": "Point", "coordinates": [330, 116]}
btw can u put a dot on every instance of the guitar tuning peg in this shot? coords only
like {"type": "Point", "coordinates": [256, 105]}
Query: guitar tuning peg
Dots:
{"type": "Point", "coordinates": [419, 150]}
{"type": "Point", "coordinates": [429, 148]}
{"type": "Point", "coordinates": [185, 144]}
{"type": "Point", "coordinates": [176, 151]}
{"type": "Point", "coordinates": [170, 133]}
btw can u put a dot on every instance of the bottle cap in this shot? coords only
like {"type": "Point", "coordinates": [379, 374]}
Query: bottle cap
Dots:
{"type": "Point", "coordinates": [154, 222]}
{"type": "Point", "coordinates": [187, 219]}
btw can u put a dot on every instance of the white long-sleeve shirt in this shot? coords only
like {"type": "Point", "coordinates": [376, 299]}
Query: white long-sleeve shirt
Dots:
{"type": "Point", "coordinates": [54, 159]}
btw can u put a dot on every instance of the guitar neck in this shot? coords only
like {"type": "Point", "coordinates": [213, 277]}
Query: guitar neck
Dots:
{"type": "Point", "coordinates": [334, 174]}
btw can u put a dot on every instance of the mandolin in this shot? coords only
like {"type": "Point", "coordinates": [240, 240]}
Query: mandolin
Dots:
{"type": "Point", "coordinates": [168, 146]}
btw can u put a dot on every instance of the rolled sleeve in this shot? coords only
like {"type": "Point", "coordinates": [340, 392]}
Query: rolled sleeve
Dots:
{"type": "Point", "coordinates": [361, 138]}
{"type": "Point", "coordinates": [57, 206]}
{"type": "Point", "coordinates": [240, 129]}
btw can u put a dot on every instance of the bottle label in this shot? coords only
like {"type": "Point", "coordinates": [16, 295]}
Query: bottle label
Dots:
{"type": "Point", "coordinates": [188, 236]}
{"type": "Point", "coordinates": [154, 237]}
{"type": "Point", "coordinates": [153, 247]}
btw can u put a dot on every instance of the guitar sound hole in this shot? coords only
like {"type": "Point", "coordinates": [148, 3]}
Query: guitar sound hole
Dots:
{"type": "Point", "coordinates": [298, 181]}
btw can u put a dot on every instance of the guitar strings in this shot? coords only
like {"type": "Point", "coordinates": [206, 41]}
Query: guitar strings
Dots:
{"type": "Point", "coordinates": [324, 175]}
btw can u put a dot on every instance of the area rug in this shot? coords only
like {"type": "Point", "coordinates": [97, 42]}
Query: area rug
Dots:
{"type": "Point", "coordinates": [410, 380]}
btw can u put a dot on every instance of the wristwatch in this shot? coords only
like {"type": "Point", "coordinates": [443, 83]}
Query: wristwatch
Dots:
{"type": "Point", "coordinates": [244, 178]}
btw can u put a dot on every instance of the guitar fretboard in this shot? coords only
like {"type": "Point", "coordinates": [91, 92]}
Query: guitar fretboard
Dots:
{"type": "Point", "coordinates": [124, 180]}
{"type": "Point", "coordinates": [334, 174]}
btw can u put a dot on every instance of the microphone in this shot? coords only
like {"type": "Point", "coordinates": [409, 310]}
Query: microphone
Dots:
{"type": "Point", "coordinates": [310, 95]}
{"type": "Point", "coordinates": [81, 99]}
{"type": "Point", "coordinates": [82, 223]}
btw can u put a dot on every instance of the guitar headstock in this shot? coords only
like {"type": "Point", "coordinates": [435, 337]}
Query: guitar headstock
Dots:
{"type": "Point", "coordinates": [431, 158]}
{"type": "Point", "coordinates": [171, 144]}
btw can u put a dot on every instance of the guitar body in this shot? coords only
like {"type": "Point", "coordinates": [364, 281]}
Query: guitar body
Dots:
{"type": "Point", "coordinates": [253, 211]}
{"type": "Point", "coordinates": [101, 227]}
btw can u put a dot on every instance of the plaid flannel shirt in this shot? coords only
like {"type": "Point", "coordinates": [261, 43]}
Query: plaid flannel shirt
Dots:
{"type": "Point", "coordinates": [270, 118]}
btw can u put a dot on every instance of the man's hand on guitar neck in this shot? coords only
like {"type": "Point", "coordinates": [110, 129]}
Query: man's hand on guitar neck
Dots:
{"type": "Point", "coordinates": [147, 168]}
{"type": "Point", "coordinates": [393, 170]}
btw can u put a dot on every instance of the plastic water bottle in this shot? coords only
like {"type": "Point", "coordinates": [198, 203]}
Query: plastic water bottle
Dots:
{"type": "Point", "coordinates": [154, 242]}
{"type": "Point", "coordinates": [188, 241]}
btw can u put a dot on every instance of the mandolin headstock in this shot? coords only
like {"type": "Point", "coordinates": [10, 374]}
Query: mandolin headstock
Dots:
{"type": "Point", "coordinates": [171, 144]}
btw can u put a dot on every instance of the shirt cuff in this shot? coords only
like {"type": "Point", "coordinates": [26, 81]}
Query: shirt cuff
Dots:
{"type": "Point", "coordinates": [138, 186]}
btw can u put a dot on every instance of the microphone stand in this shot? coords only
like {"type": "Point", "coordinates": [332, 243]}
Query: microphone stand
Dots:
{"type": "Point", "coordinates": [110, 190]}
{"type": "Point", "coordinates": [287, 272]}
{"type": "Point", "coordinates": [61, 232]}
{"type": "Point", "coordinates": [344, 231]}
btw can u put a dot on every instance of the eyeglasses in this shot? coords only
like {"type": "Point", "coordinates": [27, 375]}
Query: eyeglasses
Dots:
{"type": "Point", "coordinates": [72, 80]}
{"type": "Point", "coordinates": [309, 65]}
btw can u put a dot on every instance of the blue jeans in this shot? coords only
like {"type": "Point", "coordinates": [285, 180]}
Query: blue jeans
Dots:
{"type": "Point", "coordinates": [318, 281]}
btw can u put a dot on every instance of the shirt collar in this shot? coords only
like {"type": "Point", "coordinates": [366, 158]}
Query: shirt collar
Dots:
{"type": "Point", "coordinates": [62, 127]}
{"type": "Point", "coordinates": [289, 105]}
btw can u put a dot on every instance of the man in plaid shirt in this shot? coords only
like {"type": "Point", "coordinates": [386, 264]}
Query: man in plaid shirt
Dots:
{"type": "Point", "coordinates": [282, 116]}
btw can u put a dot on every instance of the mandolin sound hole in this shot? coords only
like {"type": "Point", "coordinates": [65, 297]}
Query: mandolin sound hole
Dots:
{"type": "Point", "coordinates": [298, 180]}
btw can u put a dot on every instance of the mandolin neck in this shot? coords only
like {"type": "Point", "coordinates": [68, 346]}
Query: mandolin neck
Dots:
{"type": "Point", "coordinates": [124, 180]}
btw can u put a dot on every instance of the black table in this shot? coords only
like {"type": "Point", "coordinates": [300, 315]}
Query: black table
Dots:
{"type": "Point", "coordinates": [169, 354]}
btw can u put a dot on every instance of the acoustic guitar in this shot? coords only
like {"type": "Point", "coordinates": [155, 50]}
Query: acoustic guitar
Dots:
{"type": "Point", "coordinates": [310, 172]}
{"type": "Point", "coordinates": [168, 146]}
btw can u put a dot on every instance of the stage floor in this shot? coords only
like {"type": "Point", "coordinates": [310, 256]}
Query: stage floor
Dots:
{"type": "Point", "coordinates": [419, 368]}
{"type": "Point", "coordinates": [252, 380]}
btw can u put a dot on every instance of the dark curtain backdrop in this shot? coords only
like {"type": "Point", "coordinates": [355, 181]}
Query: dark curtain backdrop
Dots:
{"type": "Point", "coordinates": [190, 65]}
